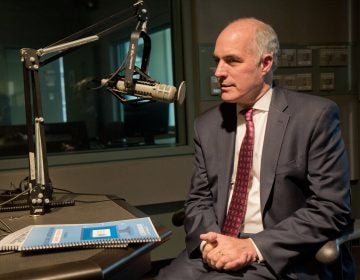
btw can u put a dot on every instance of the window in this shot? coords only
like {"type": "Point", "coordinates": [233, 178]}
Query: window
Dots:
{"type": "Point", "coordinates": [148, 123]}
{"type": "Point", "coordinates": [78, 119]}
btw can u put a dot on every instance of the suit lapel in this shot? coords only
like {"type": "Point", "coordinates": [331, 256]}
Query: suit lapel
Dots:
{"type": "Point", "coordinates": [274, 133]}
{"type": "Point", "coordinates": [225, 156]}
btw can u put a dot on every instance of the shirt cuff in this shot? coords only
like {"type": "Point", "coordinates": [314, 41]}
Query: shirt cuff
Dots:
{"type": "Point", "coordinates": [202, 245]}
{"type": "Point", "coordinates": [261, 258]}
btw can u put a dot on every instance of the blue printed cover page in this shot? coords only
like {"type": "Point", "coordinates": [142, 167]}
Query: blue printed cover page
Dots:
{"type": "Point", "coordinates": [56, 236]}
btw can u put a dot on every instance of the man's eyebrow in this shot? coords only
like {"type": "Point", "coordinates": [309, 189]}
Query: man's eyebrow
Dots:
{"type": "Point", "coordinates": [229, 57]}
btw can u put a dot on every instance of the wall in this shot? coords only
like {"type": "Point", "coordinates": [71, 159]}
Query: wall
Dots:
{"type": "Point", "coordinates": [140, 182]}
{"type": "Point", "coordinates": [295, 21]}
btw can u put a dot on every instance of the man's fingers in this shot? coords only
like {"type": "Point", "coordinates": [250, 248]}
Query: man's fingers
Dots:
{"type": "Point", "coordinates": [216, 259]}
{"type": "Point", "coordinates": [209, 237]}
{"type": "Point", "coordinates": [240, 262]}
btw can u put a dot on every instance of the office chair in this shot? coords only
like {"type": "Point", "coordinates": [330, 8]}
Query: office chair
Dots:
{"type": "Point", "coordinates": [327, 254]}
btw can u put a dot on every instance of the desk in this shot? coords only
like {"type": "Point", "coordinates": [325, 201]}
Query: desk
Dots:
{"type": "Point", "coordinates": [116, 263]}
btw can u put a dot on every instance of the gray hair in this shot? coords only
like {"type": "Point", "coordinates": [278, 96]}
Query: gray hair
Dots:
{"type": "Point", "coordinates": [266, 41]}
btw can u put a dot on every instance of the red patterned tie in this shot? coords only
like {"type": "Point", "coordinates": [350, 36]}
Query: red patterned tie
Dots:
{"type": "Point", "coordinates": [236, 213]}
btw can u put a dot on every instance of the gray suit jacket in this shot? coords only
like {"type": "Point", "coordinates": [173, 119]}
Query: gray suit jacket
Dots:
{"type": "Point", "coordinates": [304, 183]}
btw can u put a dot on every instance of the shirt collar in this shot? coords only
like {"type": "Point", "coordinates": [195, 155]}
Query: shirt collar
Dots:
{"type": "Point", "coordinates": [263, 104]}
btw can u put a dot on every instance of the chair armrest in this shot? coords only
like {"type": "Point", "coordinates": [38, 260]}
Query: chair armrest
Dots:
{"type": "Point", "coordinates": [330, 251]}
{"type": "Point", "coordinates": [178, 218]}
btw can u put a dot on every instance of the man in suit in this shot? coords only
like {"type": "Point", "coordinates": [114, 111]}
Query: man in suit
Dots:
{"type": "Point", "coordinates": [298, 193]}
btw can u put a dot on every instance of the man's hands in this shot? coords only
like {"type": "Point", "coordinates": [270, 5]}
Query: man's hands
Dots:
{"type": "Point", "coordinates": [225, 252]}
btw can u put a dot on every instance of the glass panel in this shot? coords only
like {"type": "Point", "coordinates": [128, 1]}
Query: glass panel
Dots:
{"type": "Point", "coordinates": [76, 117]}
{"type": "Point", "coordinates": [148, 123]}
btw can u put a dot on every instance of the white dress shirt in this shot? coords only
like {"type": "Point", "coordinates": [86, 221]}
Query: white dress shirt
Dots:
{"type": "Point", "coordinates": [253, 219]}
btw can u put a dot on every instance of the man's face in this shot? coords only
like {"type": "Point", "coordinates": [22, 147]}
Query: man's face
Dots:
{"type": "Point", "coordinates": [239, 70]}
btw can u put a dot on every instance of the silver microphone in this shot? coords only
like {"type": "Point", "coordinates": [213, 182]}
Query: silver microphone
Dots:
{"type": "Point", "coordinates": [151, 91]}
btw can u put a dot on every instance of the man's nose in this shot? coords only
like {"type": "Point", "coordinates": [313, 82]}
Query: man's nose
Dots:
{"type": "Point", "coordinates": [220, 70]}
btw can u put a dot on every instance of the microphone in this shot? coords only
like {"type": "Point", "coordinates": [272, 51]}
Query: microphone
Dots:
{"type": "Point", "coordinates": [147, 90]}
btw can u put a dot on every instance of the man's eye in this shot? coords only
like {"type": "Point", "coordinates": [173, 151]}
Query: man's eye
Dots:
{"type": "Point", "coordinates": [232, 61]}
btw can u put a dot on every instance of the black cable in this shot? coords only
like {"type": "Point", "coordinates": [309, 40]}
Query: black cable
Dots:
{"type": "Point", "coordinates": [53, 204]}
{"type": "Point", "coordinates": [91, 27]}
{"type": "Point", "coordinates": [13, 198]}
{"type": "Point", "coordinates": [23, 207]}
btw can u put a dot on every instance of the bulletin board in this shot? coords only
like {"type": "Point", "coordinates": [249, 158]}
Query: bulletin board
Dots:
{"type": "Point", "coordinates": [316, 69]}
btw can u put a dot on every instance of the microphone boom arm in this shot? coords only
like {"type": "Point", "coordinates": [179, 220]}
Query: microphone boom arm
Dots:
{"type": "Point", "coordinates": [39, 184]}
{"type": "Point", "coordinates": [131, 57]}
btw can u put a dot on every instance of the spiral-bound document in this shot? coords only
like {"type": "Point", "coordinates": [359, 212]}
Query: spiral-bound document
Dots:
{"type": "Point", "coordinates": [95, 235]}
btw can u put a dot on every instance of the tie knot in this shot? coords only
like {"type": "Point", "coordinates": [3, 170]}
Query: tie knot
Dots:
{"type": "Point", "coordinates": [248, 113]}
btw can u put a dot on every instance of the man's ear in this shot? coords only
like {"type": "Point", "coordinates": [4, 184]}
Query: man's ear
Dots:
{"type": "Point", "coordinates": [266, 63]}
